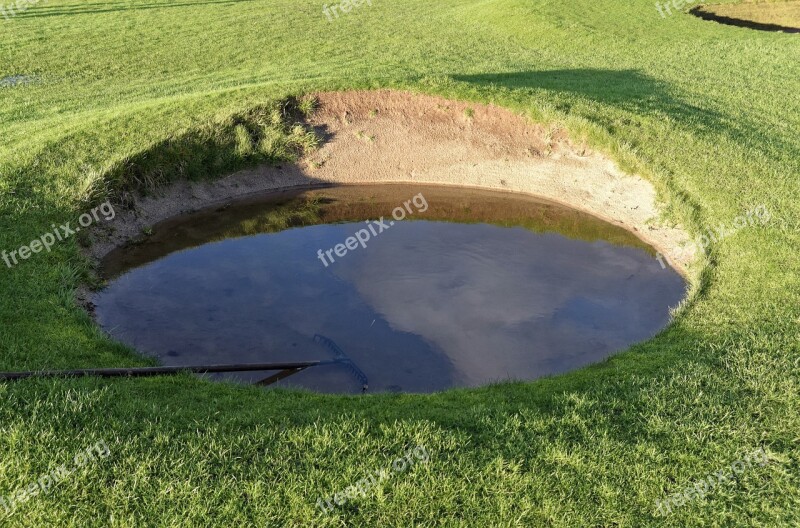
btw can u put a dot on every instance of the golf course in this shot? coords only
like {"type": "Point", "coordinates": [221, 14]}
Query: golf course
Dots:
{"type": "Point", "coordinates": [681, 134]}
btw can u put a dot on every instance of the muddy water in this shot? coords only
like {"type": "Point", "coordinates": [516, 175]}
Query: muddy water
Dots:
{"type": "Point", "coordinates": [471, 287]}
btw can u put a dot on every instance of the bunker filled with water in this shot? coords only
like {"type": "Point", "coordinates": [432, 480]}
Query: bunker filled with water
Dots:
{"type": "Point", "coordinates": [397, 287]}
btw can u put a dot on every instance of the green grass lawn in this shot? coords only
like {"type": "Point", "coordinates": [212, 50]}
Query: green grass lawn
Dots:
{"type": "Point", "coordinates": [709, 113]}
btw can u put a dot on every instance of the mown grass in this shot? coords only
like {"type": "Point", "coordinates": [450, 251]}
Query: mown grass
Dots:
{"type": "Point", "coordinates": [708, 113]}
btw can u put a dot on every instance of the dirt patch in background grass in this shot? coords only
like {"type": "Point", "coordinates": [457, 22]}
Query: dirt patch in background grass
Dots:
{"type": "Point", "coordinates": [766, 16]}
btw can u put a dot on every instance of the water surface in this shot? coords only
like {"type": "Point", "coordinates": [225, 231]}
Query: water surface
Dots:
{"type": "Point", "coordinates": [479, 287]}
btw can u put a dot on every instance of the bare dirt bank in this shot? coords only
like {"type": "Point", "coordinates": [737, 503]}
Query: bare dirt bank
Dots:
{"type": "Point", "coordinates": [396, 137]}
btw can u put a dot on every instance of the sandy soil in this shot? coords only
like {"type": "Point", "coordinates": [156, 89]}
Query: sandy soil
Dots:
{"type": "Point", "coordinates": [766, 16]}
{"type": "Point", "coordinates": [397, 137]}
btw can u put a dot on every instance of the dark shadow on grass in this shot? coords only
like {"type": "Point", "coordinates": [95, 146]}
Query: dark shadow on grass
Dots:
{"type": "Point", "coordinates": [627, 90]}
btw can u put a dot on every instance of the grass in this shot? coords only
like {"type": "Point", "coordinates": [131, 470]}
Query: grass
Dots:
{"type": "Point", "coordinates": [708, 113]}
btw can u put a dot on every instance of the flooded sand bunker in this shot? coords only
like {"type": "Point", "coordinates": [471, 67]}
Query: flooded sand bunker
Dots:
{"type": "Point", "coordinates": [472, 287]}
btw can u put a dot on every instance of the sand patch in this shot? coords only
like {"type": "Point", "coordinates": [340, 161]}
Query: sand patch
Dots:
{"type": "Point", "coordinates": [783, 16]}
{"type": "Point", "coordinates": [388, 136]}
